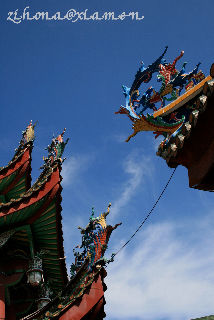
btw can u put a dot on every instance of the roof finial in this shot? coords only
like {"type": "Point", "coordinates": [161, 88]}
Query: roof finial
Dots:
{"type": "Point", "coordinates": [55, 150]}
{"type": "Point", "coordinates": [28, 136]}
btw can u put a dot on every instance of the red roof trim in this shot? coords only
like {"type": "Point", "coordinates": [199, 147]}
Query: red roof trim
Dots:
{"type": "Point", "coordinates": [34, 197]}
{"type": "Point", "coordinates": [60, 239]}
{"type": "Point", "coordinates": [44, 206]}
{"type": "Point", "coordinates": [18, 177]}
{"type": "Point", "coordinates": [16, 164]}
{"type": "Point", "coordinates": [90, 298]}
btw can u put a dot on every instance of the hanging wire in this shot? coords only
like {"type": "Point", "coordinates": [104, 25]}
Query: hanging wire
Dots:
{"type": "Point", "coordinates": [114, 254]}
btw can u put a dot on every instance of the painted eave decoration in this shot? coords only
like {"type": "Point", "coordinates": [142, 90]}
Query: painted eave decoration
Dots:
{"type": "Point", "coordinates": [193, 144]}
{"type": "Point", "coordinates": [15, 178]}
{"type": "Point", "coordinates": [186, 123]}
{"type": "Point", "coordinates": [77, 299]}
{"type": "Point", "coordinates": [31, 237]}
{"type": "Point", "coordinates": [38, 212]}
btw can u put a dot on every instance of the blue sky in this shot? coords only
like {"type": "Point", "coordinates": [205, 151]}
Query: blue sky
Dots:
{"type": "Point", "coordinates": [70, 74]}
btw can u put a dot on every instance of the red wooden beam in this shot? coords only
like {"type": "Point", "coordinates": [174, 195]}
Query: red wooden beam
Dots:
{"type": "Point", "coordinates": [91, 297]}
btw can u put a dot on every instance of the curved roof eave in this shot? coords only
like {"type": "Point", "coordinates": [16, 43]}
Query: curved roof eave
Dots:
{"type": "Point", "coordinates": [19, 167]}
{"type": "Point", "coordinates": [30, 206]}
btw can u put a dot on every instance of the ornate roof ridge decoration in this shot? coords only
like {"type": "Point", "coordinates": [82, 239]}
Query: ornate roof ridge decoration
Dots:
{"type": "Point", "coordinates": [28, 137]}
{"type": "Point", "coordinates": [45, 174]}
{"type": "Point", "coordinates": [187, 146]}
{"type": "Point", "coordinates": [86, 269]}
{"type": "Point", "coordinates": [197, 108]}
{"type": "Point", "coordinates": [55, 150]}
{"type": "Point", "coordinates": [74, 291]}
{"type": "Point", "coordinates": [95, 239]}
{"type": "Point", "coordinates": [41, 206]}
{"type": "Point", "coordinates": [173, 82]}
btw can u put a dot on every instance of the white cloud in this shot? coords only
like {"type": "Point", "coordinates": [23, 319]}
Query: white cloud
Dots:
{"type": "Point", "coordinates": [137, 166]}
{"type": "Point", "coordinates": [73, 167]}
{"type": "Point", "coordinates": [164, 276]}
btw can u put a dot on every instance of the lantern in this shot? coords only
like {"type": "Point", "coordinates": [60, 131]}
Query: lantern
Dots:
{"type": "Point", "coordinates": [35, 272]}
{"type": "Point", "coordinates": [44, 296]}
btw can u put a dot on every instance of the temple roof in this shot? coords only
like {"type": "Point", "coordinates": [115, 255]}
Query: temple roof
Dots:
{"type": "Point", "coordinates": [193, 144]}
{"type": "Point", "coordinates": [36, 215]}
{"type": "Point", "coordinates": [78, 298]}
{"type": "Point", "coordinates": [15, 178]}
{"type": "Point", "coordinates": [186, 122]}
{"type": "Point", "coordinates": [184, 98]}
{"type": "Point", "coordinates": [173, 82]}
{"type": "Point", "coordinates": [85, 290]}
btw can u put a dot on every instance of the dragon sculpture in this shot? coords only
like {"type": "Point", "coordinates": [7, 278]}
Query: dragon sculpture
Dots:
{"type": "Point", "coordinates": [173, 81]}
{"type": "Point", "coordinates": [55, 150]}
{"type": "Point", "coordinates": [86, 269]}
{"type": "Point", "coordinates": [28, 136]}
{"type": "Point", "coordinates": [95, 239]}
